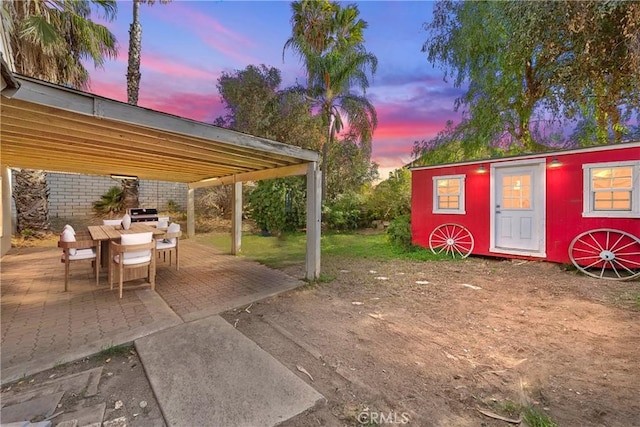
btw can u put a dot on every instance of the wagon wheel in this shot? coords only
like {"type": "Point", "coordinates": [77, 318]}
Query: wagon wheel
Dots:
{"type": "Point", "coordinates": [605, 253]}
{"type": "Point", "coordinates": [451, 239]}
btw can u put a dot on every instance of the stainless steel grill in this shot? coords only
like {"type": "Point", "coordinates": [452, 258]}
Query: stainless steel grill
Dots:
{"type": "Point", "coordinates": [143, 214]}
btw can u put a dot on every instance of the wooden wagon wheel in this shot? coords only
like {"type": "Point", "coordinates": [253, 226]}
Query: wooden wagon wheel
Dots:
{"type": "Point", "coordinates": [605, 253]}
{"type": "Point", "coordinates": [451, 239]}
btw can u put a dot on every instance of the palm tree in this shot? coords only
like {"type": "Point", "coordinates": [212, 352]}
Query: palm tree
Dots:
{"type": "Point", "coordinates": [135, 51]}
{"type": "Point", "coordinates": [332, 94]}
{"type": "Point", "coordinates": [130, 187]}
{"type": "Point", "coordinates": [329, 39]}
{"type": "Point", "coordinates": [49, 40]}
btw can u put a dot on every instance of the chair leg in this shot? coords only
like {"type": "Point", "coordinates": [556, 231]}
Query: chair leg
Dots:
{"type": "Point", "coordinates": [66, 271]}
{"type": "Point", "coordinates": [152, 273]}
{"type": "Point", "coordinates": [97, 261]}
{"type": "Point", "coordinates": [121, 278]}
{"type": "Point", "coordinates": [177, 258]}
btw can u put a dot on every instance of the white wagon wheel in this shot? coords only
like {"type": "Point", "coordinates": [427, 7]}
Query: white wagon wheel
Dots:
{"type": "Point", "coordinates": [605, 253]}
{"type": "Point", "coordinates": [451, 239]}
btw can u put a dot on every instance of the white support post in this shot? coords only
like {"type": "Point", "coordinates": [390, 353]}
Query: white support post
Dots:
{"type": "Point", "coordinates": [314, 202]}
{"type": "Point", "coordinates": [191, 213]}
{"type": "Point", "coordinates": [236, 221]}
{"type": "Point", "coordinates": [5, 214]}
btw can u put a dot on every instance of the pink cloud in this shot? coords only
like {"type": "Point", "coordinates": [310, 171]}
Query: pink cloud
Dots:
{"type": "Point", "coordinates": [111, 90]}
{"type": "Point", "coordinates": [162, 65]}
{"type": "Point", "coordinates": [417, 129]}
{"type": "Point", "coordinates": [186, 17]}
{"type": "Point", "coordinates": [228, 49]}
{"type": "Point", "coordinates": [202, 107]}
{"type": "Point", "coordinates": [226, 41]}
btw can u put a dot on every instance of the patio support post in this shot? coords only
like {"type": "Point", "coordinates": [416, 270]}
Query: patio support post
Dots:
{"type": "Point", "coordinates": [236, 220]}
{"type": "Point", "coordinates": [5, 215]}
{"type": "Point", "coordinates": [314, 203]}
{"type": "Point", "coordinates": [191, 213]}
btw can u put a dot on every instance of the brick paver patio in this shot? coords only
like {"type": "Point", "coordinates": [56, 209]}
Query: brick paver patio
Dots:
{"type": "Point", "coordinates": [42, 325]}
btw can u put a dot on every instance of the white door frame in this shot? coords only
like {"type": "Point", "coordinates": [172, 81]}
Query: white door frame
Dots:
{"type": "Point", "coordinates": [540, 201]}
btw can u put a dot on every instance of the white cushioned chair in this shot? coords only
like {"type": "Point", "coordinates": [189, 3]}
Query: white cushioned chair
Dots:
{"type": "Point", "coordinates": [112, 221]}
{"type": "Point", "coordinates": [134, 250]}
{"type": "Point", "coordinates": [78, 248]}
{"type": "Point", "coordinates": [170, 243]}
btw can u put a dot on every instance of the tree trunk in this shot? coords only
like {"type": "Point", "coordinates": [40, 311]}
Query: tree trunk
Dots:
{"type": "Point", "coordinates": [135, 48]}
{"type": "Point", "coordinates": [130, 193]}
{"type": "Point", "coordinates": [32, 200]}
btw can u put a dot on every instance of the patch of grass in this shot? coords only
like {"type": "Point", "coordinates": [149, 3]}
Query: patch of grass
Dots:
{"type": "Point", "coordinates": [530, 414]}
{"type": "Point", "coordinates": [289, 249]}
{"type": "Point", "coordinates": [114, 350]}
{"type": "Point", "coordinates": [534, 418]}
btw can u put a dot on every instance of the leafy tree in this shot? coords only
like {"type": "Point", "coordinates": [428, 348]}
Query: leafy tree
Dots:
{"type": "Point", "coordinates": [484, 45]}
{"type": "Point", "coordinates": [278, 205]}
{"type": "Point", "coordinates": [345, 211]}
{"type": "Point", "coordinates": [391, 198]}
{"type": "Point", "coordinates": [329, 39]}
{"type": "Point", "coordinates": [448, 147]}
{"type": "Point", "coordinates": [601, 82]}
{"type": "Point", "coordinates": [350, 169]}
{"type": "Point", "coordinates": [524, 60]}
{"type": "Point", "coordinates": [256, 105]}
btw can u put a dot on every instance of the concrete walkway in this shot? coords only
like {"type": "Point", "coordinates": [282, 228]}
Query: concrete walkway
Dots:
{"type": "Point", "coordinates": [206, 373]}
{"type": "Point", "coordinates": [43, 326]}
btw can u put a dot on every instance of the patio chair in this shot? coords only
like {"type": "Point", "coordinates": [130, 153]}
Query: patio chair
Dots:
{"type": "Point", "coordinates": [133, 251]}
{"type": "Point", "coordinates": [78, 248]}
{"type": "Point", "coordinates": [170, 243]}
{"type": "Point", "coordinates": [112, 221]}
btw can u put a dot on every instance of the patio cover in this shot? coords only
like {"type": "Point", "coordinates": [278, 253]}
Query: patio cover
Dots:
{"type": "Point", "coordinates": [55, 128]}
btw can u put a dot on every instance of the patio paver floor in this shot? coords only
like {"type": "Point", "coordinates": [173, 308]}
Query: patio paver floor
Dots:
{"type": "Point", "coordinates": [42, 325]}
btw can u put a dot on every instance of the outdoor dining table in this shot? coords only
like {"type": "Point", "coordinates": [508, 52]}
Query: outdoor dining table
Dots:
{"type": "Point", "coordinates": [107, 233]}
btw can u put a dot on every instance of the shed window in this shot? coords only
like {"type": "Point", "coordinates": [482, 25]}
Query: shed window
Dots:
{"type": "Point", "coordinates": [448, 194]}
{"type": "Point", "coordinates": [611, 189]}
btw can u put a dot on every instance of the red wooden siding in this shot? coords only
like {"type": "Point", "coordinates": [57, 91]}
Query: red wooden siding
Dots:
{"type": "Point", "coordinates": [564, 202]}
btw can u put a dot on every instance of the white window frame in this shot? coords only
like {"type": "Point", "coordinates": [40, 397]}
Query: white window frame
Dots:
{"type": "Point", "coordinates": [461, 205]}
{"type": "Point", "coordinates": [587, 194]}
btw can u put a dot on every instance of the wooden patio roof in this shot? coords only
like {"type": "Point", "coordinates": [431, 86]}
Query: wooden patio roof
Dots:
{"type": "Point", "coordinates": [51, 127]}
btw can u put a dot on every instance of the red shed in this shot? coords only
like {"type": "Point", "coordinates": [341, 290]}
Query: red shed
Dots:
{"type": "Point", "coordinates": [580, 206]}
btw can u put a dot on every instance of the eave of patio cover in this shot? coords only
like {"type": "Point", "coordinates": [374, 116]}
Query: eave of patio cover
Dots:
{"type": "Point", "coordinates": [50, 127]}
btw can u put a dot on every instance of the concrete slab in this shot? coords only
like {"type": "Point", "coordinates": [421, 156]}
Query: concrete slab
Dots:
{"type": "Point", "coordinates": [206, 372]}
{"type": "Point", "coordinates": [38, 407]}
{"type": "Point", "coordinates": [85, 416]}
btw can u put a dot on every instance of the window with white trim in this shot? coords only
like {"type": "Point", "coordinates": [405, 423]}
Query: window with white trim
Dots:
{"type": "Point", "coordinates": [612, 189]}
{"type": "Point", "coordinates": [448, 194]}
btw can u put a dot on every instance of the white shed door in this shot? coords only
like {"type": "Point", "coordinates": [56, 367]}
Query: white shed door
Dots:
{"type": "Point", "coordinates": [518, 208]}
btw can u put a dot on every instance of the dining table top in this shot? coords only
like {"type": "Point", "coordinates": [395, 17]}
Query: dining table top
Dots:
{"type": "Point", "coordinates": [114, 232]}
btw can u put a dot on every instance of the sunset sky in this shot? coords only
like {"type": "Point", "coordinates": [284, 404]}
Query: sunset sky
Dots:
{"type": "Point", "coordinates": [186, 45]}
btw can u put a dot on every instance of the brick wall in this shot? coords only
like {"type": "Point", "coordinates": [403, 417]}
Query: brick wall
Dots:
{"type": "Point", "coordinates": [72, 195]}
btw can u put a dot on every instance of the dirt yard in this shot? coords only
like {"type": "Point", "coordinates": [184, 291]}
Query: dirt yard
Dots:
{"type": "Point", "coordinates": [432, 343]}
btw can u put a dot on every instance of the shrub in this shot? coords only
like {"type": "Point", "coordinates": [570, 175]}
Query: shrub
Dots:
{"type": "Point", "coordinates": [391, 198]}
{"type": "Point", "coordinates": [399, 231]}
{"type": "Point", "coordinates": [344, 213]}
{"type": "Point", "coordinates": [278, 205]}
{"type": "Point", "coordinates": [110, 203]}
